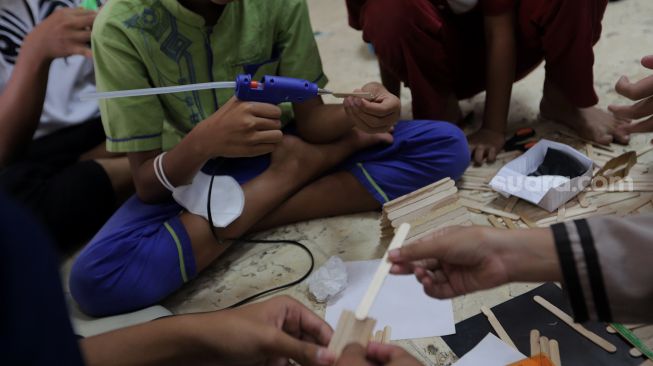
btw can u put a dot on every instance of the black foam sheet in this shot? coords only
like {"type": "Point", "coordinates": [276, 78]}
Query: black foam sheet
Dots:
{"type": "Point", "coordinates": [521, 314]}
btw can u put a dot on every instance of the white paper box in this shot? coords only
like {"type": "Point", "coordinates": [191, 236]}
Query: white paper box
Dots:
{"type": "Point", "coordinates": [549, 192]}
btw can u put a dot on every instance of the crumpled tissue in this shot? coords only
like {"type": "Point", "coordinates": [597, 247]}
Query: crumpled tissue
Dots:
{"type": "Point", "coordinates": [328, 280]}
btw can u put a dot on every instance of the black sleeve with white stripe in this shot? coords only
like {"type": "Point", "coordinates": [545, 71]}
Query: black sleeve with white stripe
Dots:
{"type": "Point", "coordinates": [581, 270]}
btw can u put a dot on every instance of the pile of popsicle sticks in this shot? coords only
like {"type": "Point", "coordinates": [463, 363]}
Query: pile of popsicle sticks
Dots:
{"type": "Point", "coordinates": [427, 209]}
{"type": "Point", "coordinates": [549, 348]}
{"type": "Point", "coordinates": [630, 195]}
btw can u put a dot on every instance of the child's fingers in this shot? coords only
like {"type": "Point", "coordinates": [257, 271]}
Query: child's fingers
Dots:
{"type": "Point", "coordinates": [371, 121]}
{"type": "Point", "coordinates": [84, 20]}
{"type": "Point", "coordinates": [438, 291]}
{"type": "Point", "coordinates": [81, 36]}
{"type": "Point", "coordinates": [647, 61]}
{"type": "Point", "coordinates": [384, 108]}
{"type": "Point", "coordinates": [260, 149]}
{"type": "Point", "coordinates": [268, 137]}
{"type": "Point", "coordinates": [644, 126]}
{"type": "Point", "coordinates": [266, 124]}
{"type": "Point", "coordinates": [479, 154]}
{"type": "Point", "coordinates": [641, 109]}
{"type": "Point", "coordinates": [363, 124]}
{"type": "Point", "coordinates": [81, 50]}
{"type": "Point", "coordinates": [402, 269]}
{"type": "Point", "coordinates": [491, 155]}
{"type": "Point", "coordinates": [635, 91]}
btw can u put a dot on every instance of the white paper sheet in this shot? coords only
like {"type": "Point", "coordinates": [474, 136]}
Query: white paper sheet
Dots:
{"type": "Point", "coordinates": [491, 351]}
{"type": "Point", "coordinates": [401, 304]}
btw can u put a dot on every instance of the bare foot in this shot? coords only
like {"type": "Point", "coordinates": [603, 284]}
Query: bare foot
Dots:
{"type": "Point", "coordinates": [359, 140]}
{"type": "Point", "coordinates": [302, 160]}
{"type": "Point", "coordinates": [590, 123]}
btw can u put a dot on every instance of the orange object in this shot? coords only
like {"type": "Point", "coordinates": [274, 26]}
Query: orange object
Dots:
{"type": "Point", "coordinates": [253, 84]}
{"type": "Point", "coordinates": [526, 131]}
{"type": "Point", "coordinates": [537, 360]}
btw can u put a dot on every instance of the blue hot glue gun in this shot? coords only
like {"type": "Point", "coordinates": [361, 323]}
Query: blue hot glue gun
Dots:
{"type": "Point", "coordinates": [271, 89]}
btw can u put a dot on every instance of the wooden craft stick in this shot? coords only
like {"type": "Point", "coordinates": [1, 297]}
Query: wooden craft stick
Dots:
{"type": "Point", "coordinates": [363, 95]}
{"type": "Point", "coordinates": [544, 346]}
{"type": "Point", "coordinates": [561, 213]}
{"type": "Point", "coordinates": [510, 224]}
{"type": "Point", "coordinates": [590, 151]}
{"type": "Point", "coordinates": [535, 342]}
{"type": "Point", "coordinates": [381, 272]}
{"type": "Point", "coordinates": [582, 200]}
{"type": "Point", "coordinates": [529, 223]}
{"type": "Point", "coordinates": [609, 347]}
{"type": "Point", "coordinates": [378, 336]}
{"type": "Point", "coordinates": [426, 202]}
{"type": "Point", "coordinates": [419, 194]}
{"type": "Point", "coordinates": [554, 352]}
{"type": "Point", "coordinates": [387, 333]}
{"type": "Point", "coordinates": [498, 328]}
{"type": "Point", "coordinates": [350, 330]}
{"type": "Point", "coordinates": [634, 352]}
{"type": "Point", "coordinates": [512, 201]}
{"type": "Point", "coordinates": [509, 155]}
{"type": "Point", "coordinates": [489, 210]}
{"type": "Point", "coordinates": [644, 150]}
{"type": "Point", "coordinates": [643, 332]}
{"type": "Point", "coordinates": [495, 222]}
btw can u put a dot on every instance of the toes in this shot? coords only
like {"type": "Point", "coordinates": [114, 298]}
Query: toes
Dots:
{"type": "Point", "coordinates": [605, 139]}
{"type": "Point", "coordinates": [621, 136]}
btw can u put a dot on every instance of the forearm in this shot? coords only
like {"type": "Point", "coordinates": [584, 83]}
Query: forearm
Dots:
{"type": "Point", "coordinates": [168, 341]}
{"type": "Point", "coordinates": [500, 72]}
{"type": "Point", "coordinates": [180, 165]}
{"type": "Point", "coordinates": [21, 102]}
{"type": "Point", "coordinates": [322, 123]}
{"type": "Point", "coordinates": [530, 255]}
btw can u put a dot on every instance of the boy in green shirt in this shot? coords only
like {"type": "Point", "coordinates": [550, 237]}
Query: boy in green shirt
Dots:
{"type": "Point", "coordinates": [333, 160]}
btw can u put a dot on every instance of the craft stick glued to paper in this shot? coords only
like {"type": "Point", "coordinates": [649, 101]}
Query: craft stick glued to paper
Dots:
{"type": "Point", "coordinates": [357, 328]}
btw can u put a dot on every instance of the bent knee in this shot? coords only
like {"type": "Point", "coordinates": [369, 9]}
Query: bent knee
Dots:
{"type": "Point", "coordinates": [106, 286]}
{"type": "Point", "coordinates": [95, 290]}
{"type": "Point", "coordinates": [449, 148]}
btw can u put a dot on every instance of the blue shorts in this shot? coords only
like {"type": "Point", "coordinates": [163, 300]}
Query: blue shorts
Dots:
{"type": "Point", "coordinates": [143, 252]}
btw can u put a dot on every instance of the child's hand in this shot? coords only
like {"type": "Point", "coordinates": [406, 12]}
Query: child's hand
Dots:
{"type": "Point", "coordinates": [642, 93]}
{"type": "Point", "coordinates": [266, 333]}
{"type": "Point", "coordinates": [378, 115]}
{"type": "Point", "coordinates": [459, 260]}
{"type": "Point", "coordinates": [240, 129]}
{"type": "Point", "coordinates": [485, 144]}
{"type": "Point", "coordinates": [66, 32]}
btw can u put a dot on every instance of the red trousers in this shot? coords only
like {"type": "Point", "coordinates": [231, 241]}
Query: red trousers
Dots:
{"type": "Point", "coordinates": [435, 52]}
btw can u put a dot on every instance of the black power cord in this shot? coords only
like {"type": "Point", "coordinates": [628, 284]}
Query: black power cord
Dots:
{"type": "Point", "coordinates": [259, 241]}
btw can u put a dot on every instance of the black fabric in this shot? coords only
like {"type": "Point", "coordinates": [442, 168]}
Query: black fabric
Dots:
{"type": "Point", "coordinates": [594, 271]}
{"type": "Point", "coordinates": [71, 198]}
{"type": "Point", "coordinates": [521, 314]}
{"type": "Point", "coordinates": [570, 272]}
{"type": "Point", "coordinates": [34, 324]}
{"type": "Point", "coordinates": [557, 162]}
